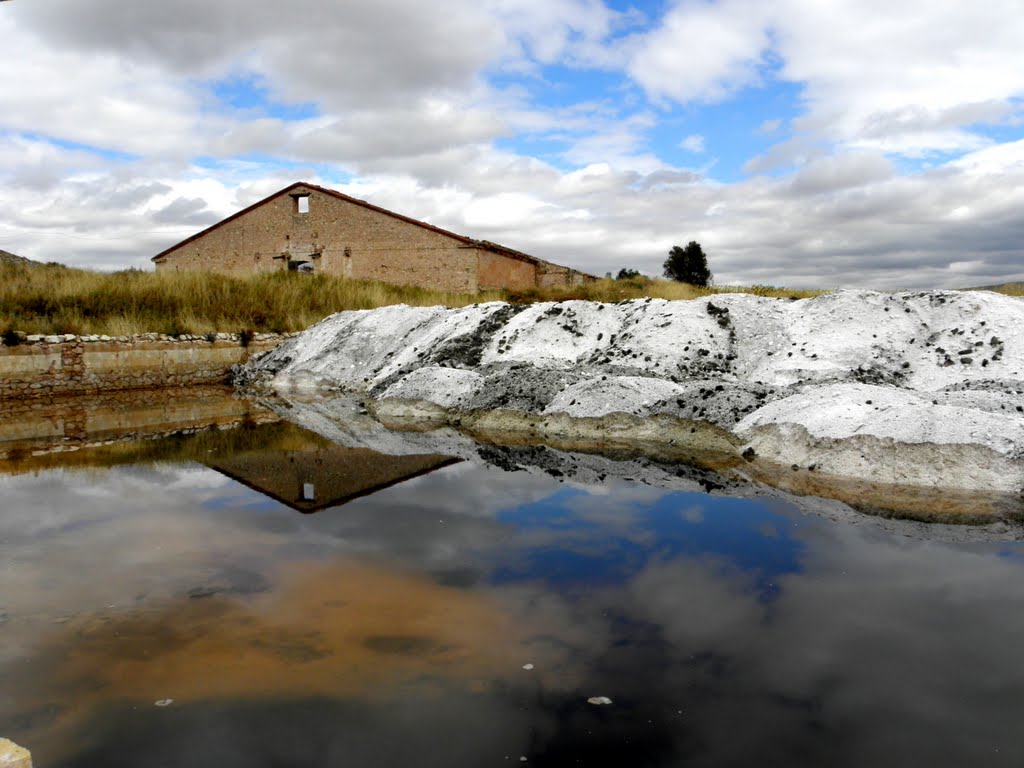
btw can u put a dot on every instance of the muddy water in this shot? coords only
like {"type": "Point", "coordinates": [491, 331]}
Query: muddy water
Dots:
{"type": "Point", "coordinates": [258, 597]}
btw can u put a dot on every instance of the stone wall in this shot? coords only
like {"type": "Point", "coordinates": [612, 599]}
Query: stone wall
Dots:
{"type": "Point", "coordinates": [556, 276]}
{"type": "Point", "coordinates": [47, 366]}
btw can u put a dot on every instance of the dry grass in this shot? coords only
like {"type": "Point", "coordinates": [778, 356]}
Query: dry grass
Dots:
{"type": "Point", "coordinates": [50, 298]}
{"type": "Point", "coordinates": [643, 287]}
{"type": "Point", "coordinates": [1009, 289]}
{"type": "Point", "coordinates": [53, 299]}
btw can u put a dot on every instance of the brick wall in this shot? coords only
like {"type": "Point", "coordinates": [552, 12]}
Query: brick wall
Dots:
{"type": "Point", "coordinates": [338, 238]}
{"type": "Point", "coordinates": [352, 239]}
{"type": "Point", "coordinates": [46, 366]}
{"type": "Point", "coordinates": [497, 271]}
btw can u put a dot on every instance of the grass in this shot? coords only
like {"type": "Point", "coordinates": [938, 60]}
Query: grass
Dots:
{"type": "Point", "coordinates": [53, 299]}
{"type": "Point", "coordinates": [1009, 289]}
{"type": "Point", "coordinates": [642, 287]}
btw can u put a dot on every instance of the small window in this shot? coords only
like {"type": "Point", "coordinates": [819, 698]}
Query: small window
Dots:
{"type": "Point", "coordinates": [302, 203]}
{"type": "Point", "coordinates": [348, 253]}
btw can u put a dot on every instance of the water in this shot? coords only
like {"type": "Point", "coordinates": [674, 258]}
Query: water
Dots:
{"type": "Point", "coordinates": [287, 602]}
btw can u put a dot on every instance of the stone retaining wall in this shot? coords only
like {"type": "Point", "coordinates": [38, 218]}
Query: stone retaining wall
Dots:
{"type": "Point", "coordinates": [36, 433]}
{"type": "Point", "coordinates": [44, 366]}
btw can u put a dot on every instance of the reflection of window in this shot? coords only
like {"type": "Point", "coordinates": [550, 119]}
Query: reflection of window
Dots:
{"type": "Point", "coordinates": [302, 203]}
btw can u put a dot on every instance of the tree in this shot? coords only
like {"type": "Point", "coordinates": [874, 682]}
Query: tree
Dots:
{"type": "Point", "coordinates": [688, 265]}
{"type": "Point", "coordinates": [625, 274]}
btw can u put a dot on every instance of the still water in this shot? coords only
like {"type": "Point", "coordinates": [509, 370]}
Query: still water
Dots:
{"type": "Point", "coordinates": [205, 600]}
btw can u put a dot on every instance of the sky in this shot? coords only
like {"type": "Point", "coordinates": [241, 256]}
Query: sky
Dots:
{"type": "Point", "coordinates": [805, 143]}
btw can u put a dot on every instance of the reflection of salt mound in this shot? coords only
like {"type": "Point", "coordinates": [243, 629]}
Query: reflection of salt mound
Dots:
{"type": "Point", "coordinates": [913, 388]}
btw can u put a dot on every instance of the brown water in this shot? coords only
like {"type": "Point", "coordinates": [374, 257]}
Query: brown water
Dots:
{"type": "Point", "coordinates": [176, 601]}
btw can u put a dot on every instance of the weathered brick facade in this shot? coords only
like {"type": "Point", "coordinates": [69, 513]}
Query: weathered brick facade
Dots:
{"type": "Point", "coordinates": [312, 228]}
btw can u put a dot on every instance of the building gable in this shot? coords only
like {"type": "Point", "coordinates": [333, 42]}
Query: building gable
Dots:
{"type": "Point", "coordinates": [318, 229]}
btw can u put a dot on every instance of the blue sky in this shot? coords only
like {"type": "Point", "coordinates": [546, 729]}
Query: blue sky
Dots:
{"type": "Point", "coordinates": [855, 143]}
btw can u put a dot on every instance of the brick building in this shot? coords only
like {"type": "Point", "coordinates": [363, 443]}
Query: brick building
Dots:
{"type": "Point", "coordinates": [312, 229]}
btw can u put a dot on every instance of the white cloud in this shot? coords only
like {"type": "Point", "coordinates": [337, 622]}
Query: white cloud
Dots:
{"type": "Point", "coordinates": [693, 143]}
{"type": "Point", "coordinates": [98, 100]}
{"type": "Point", "coordinates": [830, 174]}
{"type": "Point", "coordinates": [907, 78]}
{"type": "Point", "coordinates": [912, 69]}
{"type": "Point", "coordinates": [411, 121]}
{"type": "Point", "coordinates": [703, 51]}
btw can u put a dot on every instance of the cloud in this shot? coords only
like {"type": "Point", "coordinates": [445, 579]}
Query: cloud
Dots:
{"type": "Point", "coordinates": [548, 126]}
{"type": "Point", "coordinates": [703, 51]}
{"type": "Point", "coordinates": [108, 103]}
{"type": "Point", "coordinates": [693, 143]}
{"type": "Point", "coordinates": [831, 174]}
{"type": "Point", "coordinates": [909, 79]}
{"type": "Point", "coordinates": [914, 66]}
{"type": "Point", "coordinates": [185, 211]}
{"type": "Point", "coordinates": [304, 49]}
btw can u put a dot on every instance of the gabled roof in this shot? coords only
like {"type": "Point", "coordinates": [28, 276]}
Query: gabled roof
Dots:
{"type": "Point", "coordinates": [466, 241]}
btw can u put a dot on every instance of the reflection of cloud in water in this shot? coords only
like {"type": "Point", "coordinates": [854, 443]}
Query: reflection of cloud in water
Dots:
{"type": "Point", "coordinates": [568, 539]}
{"type": "Point", "coordinates": [616, 505]}
{"type": "Point", "coordinates": [882, 651]}
{"type": "Point", "coordinates": [774, 633]}
{"type": "Point", "coordinates": [694, 515]}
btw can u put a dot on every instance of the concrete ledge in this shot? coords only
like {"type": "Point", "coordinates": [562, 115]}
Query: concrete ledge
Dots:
{"type": "Point", "coordinates": [44, 366]}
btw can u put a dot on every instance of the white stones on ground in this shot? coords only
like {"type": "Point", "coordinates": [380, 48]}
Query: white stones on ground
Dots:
{"type": "Point", "coordinates": [163, 702]}
{"type": "Point", "coordinates": [527, 667]}
{"type": "Point", "coordinates": [599, 701]}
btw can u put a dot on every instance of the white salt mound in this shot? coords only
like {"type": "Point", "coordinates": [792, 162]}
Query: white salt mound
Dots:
{"type": "Point", "coordinates": [788, 378]}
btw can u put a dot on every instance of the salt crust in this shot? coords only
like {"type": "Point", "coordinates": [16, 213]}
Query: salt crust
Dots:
{"type": "Point", "coordinates": [943, 368]}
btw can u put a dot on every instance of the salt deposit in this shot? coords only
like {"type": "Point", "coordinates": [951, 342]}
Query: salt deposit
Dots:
{"type": "Point", "coordinates": [851, 383]}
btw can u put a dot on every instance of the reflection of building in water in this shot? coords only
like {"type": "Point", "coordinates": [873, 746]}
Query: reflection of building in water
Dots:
{"type": "Point", "coordinates": [308, 480]}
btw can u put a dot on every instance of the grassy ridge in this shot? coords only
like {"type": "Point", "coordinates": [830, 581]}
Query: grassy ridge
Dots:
{"type": "Point", "coordinates": [49, 298]}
